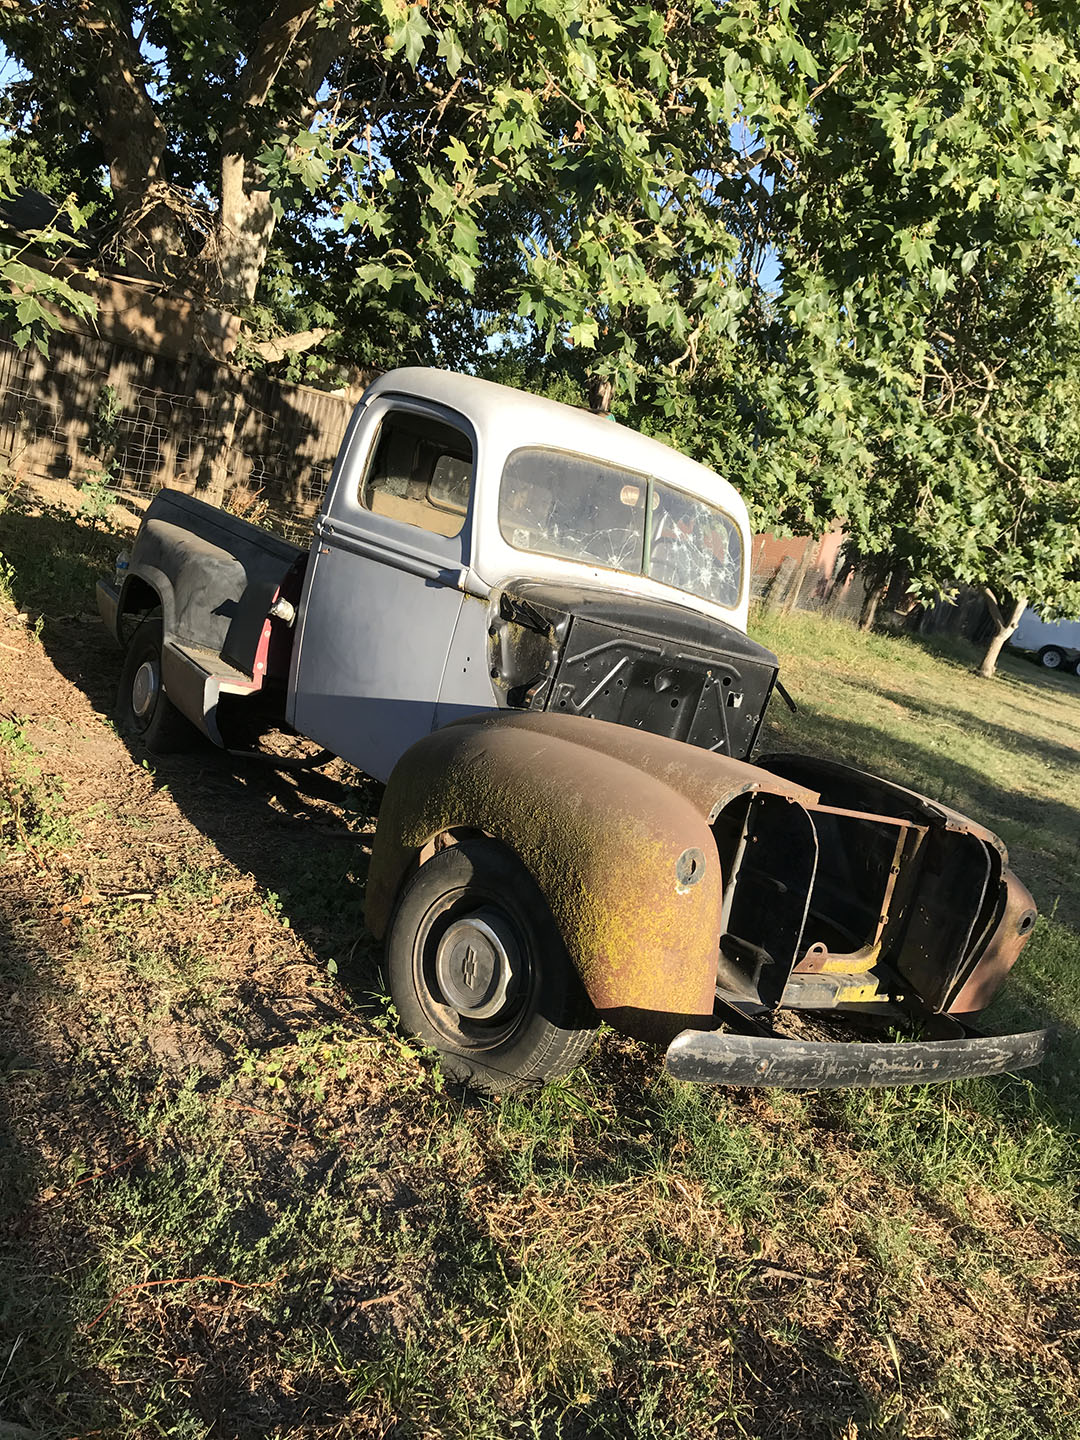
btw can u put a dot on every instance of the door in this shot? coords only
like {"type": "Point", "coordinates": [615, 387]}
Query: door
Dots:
{"type": "Point", "coordinates": [383, 592]}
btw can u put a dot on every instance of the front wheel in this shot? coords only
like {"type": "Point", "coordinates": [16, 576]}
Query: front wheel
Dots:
{"type": "Point", "coordinates": [143, 709]}
{"type": "Point", "coordinates": [1051, 658]}
{"type": "Point", "coordinates": [477, 969]}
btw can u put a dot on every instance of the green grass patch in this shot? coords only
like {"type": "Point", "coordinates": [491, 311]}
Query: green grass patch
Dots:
{"type": "Point", "coordinates": [233, 1201]}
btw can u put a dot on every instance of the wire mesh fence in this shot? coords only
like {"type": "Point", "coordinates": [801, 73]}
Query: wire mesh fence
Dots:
{"type": "Point", "coordinates": [114, 416]}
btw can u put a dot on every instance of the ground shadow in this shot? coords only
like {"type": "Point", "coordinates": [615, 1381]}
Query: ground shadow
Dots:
{"type": "Point", "coordinates": [299, 836]}
{"type": "Point", "coordinates": [297, 833]}
{"type": "Point", "coordinates": [39, 1245]}
{"type": "Point", "coordinates": [1051, 752]}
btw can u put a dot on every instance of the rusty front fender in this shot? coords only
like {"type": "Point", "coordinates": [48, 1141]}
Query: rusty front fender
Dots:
{"type": "Point", "coordinates": [625, 859]}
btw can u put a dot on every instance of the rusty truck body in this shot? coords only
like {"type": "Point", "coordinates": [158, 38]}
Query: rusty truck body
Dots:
{"type": "Point", "coordinates": [530, 622]}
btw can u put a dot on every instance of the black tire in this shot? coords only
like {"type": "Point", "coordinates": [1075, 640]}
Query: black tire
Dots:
{"type": "Point", "coordinates": [142, 707]}
{"type": "Point", "coordinates": [1051, 658]}
{"type": "Point", "coordinates": [477, 970]}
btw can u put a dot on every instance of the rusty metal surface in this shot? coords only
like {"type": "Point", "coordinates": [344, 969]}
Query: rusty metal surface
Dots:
{"type": "Point", "coordinates": [625, 833]}
{"type": "Point", "coordinates": [773, 881]}
{"type": "Point", "coordinates": [710, 781]}
{"type": "Point", "coordinates": [603, 817]}
{"type": "Point", "coordinates": [960, 916]}
{"type": "Point", "coordinates": [826, 774]}
{"type": "Point", "coordinates": [994, 961]}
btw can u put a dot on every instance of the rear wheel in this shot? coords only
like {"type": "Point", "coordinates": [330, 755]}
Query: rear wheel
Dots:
{"type": "Point", "coordinates": [477, 970]}
{"type": "Point", "coordinates": [1051, 658]}
{"type": "Point", "coordinates": [143, 708]}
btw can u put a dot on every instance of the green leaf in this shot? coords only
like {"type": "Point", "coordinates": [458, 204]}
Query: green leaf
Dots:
{"type": "Point", "coordinates": [450, 48]}
{"type": "Point", "coordinates": [411, 32]}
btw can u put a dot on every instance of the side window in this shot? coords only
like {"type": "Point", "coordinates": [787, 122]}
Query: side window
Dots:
{"type": "Point", "coordinates": [421, 474]}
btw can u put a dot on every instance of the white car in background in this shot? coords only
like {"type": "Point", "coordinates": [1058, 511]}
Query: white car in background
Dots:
{"type": "Point", "coordinates": [1054, 644]}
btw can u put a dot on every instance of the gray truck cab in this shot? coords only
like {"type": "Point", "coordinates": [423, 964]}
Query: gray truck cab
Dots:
{"type": "Point", "coordinates": [464, 521]}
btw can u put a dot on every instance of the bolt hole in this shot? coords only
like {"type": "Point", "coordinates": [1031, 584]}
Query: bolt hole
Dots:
{"type": "Point", "coordinates": [727, 679]}
{"type": "Point", "coordinates": [674, 704]}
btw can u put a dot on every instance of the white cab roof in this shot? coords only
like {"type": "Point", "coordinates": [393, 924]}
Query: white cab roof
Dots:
{"type": "Point", "coordinates": [511, 418]}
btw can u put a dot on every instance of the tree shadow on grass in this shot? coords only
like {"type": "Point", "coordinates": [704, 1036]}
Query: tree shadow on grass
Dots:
{"type": "Point", "coordinates": [296, 832]}
{"type": "Point", "coordinates": [38, 1248]}
{"type": "Point", "coordinates": [1016, 670]}
{"type": "Point", "coordinates": [1050, 752]}
{"type": "Point", "coordinates": [290, 833]}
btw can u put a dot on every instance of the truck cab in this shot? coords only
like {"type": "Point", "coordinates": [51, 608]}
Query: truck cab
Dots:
{"type": "Point", "coordinates": [469, 529]}
{"type": "Point", "coordinates": [478, 549]}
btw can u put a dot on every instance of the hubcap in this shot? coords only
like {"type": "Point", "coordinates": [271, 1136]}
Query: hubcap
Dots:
{"type": "Point", "coordinates": [144, 689]}
{"type": "Point", "coordinates": [476, 963]}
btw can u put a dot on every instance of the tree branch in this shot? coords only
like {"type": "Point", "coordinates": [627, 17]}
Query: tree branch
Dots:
{"type": "Point", "coordinates": [276, 37]}
{"type": "Point", "coordinates": [278, 348]}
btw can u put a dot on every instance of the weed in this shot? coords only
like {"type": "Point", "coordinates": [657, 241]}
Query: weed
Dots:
{"type": "Point", "coordinates": [51, 560]}
{"type": "Point", "coordinates": [32, 817]}
{"type": "Point", "coordinates": [7, 582]}
{"type": "Point", "coordinates": [96, 497]}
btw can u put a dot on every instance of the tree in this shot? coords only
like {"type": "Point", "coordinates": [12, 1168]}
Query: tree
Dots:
{"type": "Point", "coordinates": [1004, 514]}
{"type": "Point", "coordinates": [809, 241]}
{"type": "Point", "coordinates": [29, 294]}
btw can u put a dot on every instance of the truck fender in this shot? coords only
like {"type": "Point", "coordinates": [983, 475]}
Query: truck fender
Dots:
{"type": "Point", "coordinates": [626, 863]}
{"type": "Point", "coordinates": [150, 576]}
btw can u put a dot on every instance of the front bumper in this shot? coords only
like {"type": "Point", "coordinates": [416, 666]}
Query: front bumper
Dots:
{"type": "Point", "coordinates": [714, 1057]}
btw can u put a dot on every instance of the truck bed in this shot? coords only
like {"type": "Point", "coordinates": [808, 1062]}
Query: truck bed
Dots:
{"type": "Point", "coordinates": [222, 574]}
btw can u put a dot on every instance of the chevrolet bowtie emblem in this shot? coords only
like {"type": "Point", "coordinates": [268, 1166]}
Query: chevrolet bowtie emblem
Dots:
{"type": "Point", "coordinates": [468, 967]}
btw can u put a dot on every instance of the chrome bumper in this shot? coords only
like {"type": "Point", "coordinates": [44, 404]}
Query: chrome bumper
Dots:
{"type": "Point", "coordinates": [714, 1057]}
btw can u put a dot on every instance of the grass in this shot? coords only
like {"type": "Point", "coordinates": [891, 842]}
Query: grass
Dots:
{"type": "Point", "coordinates": [233, 1201]}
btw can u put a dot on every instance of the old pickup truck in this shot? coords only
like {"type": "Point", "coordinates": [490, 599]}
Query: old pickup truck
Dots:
{"type": "Point", "coordinates": [530, 622]}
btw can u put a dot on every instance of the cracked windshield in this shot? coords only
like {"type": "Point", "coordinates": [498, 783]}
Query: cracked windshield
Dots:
{"type": "Point", "coordinates": [579, 509]}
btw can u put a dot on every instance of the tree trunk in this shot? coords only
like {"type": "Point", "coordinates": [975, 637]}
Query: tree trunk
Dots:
{"type": "Point", "coordinates": [778, 586]}
{"type": "Point", "coordinates": [245, 227]}
{"type": "Point", "coordinates": [1004, 629]}
{"type": "Point", "coordinates": [291, 50]}
{"type": "Point", "coordinates": [135, 141]}
{"type": "Point", "coordinates": [213, 477]}
{"type": "Point", "coordinates": [835, 592]}
{"type": "Point", "coordinates": [874, 592]}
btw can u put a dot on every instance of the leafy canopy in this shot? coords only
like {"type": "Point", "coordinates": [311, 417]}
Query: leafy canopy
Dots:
{"type": "Point", "coordinates": [828, 248]}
